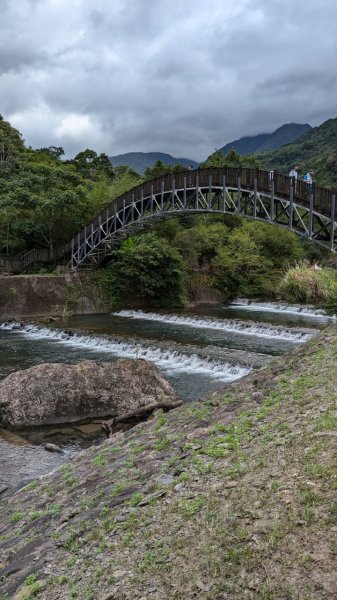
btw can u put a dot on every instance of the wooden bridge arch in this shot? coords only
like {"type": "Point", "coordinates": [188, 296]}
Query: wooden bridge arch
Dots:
{"type": "Point", "coordinates": [309, 211]}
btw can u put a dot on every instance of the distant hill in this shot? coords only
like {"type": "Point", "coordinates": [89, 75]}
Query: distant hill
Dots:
{"type": "Point", "coordinates": [316, 150]}
{"type": "Point", "coordinates": [139, 161]}
{"type": "Point", "coordinates": [267, 141]}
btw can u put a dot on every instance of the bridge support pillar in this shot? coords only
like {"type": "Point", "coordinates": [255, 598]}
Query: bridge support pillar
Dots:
{"type": "Point", "coordinates": [333, 223]}
{"type": "Point", "coordinates": [291, 207]}
{"type": "Point", "coordinates": [272, 201]}
{"type": "Point", "coordinates": [224, 192]}
{"type": "Point", "coordinates": [239, 196]}
{"type": "Point", "coordinates": [311, 215]}
{"type": "Point", "coordinates": [255, 198]}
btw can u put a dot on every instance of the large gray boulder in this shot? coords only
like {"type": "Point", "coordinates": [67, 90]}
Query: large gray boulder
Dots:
{"type": "Point", "coordinates": [50, 394]}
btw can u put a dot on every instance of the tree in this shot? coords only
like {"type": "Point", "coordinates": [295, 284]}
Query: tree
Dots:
{"type": "Point", "coordinates": [146, 268]}
{"type": "Point", "coordinates": [11, 145]}
{"type": "Point", "coordinates": [238, 265]}
{"type": "Point", "coordinates": [53, 151]}
{"type": "Point", "coordinates": [231, 159]}
{"type": "Point", "coordinates": [45, 203]}
{"type": "Point", "coordinates": [92, 165]}
{"type": "Point", "coordinates": [158, 170]}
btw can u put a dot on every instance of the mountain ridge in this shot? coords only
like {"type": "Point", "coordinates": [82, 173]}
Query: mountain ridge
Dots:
{"type": "Point", "coordinates": [140, 161]}
{"type": "Point", "coordinates": [315, 150]}
{"type": "Point", "coordinates": [264, 142]}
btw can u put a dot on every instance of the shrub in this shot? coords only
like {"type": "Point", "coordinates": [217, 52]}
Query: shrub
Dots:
{"type": "Point", "coordinates": [304, 284]}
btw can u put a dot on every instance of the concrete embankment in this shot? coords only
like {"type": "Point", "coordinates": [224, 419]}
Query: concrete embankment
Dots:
{"type": "Point", "coordinates": [31, 295]}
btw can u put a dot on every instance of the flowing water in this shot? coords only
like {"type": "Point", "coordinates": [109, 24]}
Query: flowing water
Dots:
{"type": "Point", "coordinates": [197, 350]}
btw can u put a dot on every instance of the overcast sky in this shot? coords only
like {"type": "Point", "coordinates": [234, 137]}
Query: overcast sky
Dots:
{"type": "Point", "coordinates": [177, 76]}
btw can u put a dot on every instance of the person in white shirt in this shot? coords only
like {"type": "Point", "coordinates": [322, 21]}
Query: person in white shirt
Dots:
{"type": "Point", "coordinates": [294, 173]}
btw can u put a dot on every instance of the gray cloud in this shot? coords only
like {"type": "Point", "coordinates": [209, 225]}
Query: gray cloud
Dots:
{"type": "Point", "coordinates": [179, 77]}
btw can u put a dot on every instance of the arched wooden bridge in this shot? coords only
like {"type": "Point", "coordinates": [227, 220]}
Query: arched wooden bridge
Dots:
{"type": "Point", "coordinates": [251, 193]}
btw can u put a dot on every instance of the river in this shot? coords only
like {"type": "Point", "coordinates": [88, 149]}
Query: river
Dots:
{"type": "Point", "coordinates": [198, 350]}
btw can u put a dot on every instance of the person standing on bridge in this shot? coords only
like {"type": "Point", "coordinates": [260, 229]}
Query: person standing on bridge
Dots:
{"type": "Point", "coordinates": [308, 179]}
{"type": "Point", "coordinates": [294, 175]}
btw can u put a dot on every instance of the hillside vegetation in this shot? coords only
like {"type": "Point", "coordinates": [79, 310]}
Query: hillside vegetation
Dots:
{"type": "Point", "coordinates": [230, 498]}
{"type": "Point", "coordinates": [267, 141]}
{"type": "Point", "coordinates": [316, 150]}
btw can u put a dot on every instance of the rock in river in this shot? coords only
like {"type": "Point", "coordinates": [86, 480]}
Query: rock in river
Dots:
{"type": "Point", "coordinates": [51, 394]}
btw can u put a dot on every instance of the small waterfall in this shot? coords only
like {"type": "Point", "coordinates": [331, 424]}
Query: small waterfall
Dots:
{"type": "Point", "coordinates": [232, 326]}
{"type": "Point", "coordinates": [286, 309]}
{"type": "Point", "coordinates": [171, 361]}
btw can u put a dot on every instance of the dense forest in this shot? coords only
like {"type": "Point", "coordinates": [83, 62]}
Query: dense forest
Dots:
{"type": "Point", "coordinates": [45, 200]}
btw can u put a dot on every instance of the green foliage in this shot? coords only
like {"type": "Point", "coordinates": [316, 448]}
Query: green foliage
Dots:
{"type": "Point", "coordinates": [231, 159]}
{"type": "Point", "coordinates": [11, 145]}
{"type": "Point", "coordinates": [93, 166]}
{"type": "Point", "coordinates": [159, 169]}
{"type": "Point", "coordinates": [146, 270]}
{"type": "Point", "coordinates": [42, 204]}
{"type": "Point", "coordinates": [303, 284]}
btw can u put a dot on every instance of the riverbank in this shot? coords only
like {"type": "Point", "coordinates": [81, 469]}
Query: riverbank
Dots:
{"type": "Point", "coordinates": [232, 497]}
{"type": "Point", "coordinates": [62, 295]}
{"type": "Point", "coordinates": [44, 295]}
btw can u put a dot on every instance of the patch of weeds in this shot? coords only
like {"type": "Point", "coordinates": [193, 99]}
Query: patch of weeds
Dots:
{"type": "Point", "coordinates": [35, 514]}
{"type": "Point", "coordinates": [16, 517]}
{"type": "Point", "coordinates": [137, 448]}
{"type": "Point", "coordinates": [277, 534]}
{"type": "Point", "coordinates": [203, 413]}
{"type": "Point", "coordinates": [132, 522]}
{"type": "Point", "coordinates": [118, 488]}
{"type": "Point", "coordinates": [135, 499]}
{"type": "Point", "coordinates": [108, 524]}
{"type": "Point", "coordinates": [75, 591]}
{"type": "Point", "coordinates": [68, 476]}
{"type": "Point", "coordinates": [218, 428]}
{"type": "Point", "coordinates": [105, 511]}
{"type": "Point", "coordinates": [212, 449]}
{"type": "Point", "coordinates": [160, 422]}
{"type": "Point", "coordinates": [332, 517]}
{"type": "Point", "coordinates": [31, 579]}
{"type": "Point", "coordinates": [100, 459]}
{"type": "Point", "coordinates": [184, 477]}
{"type": "Point", "coordinates": [161, 443]}
{"type": "Point", "coordinates": [202, 467]}
{"type": "Point", "coordinates": [238, 555]}
{"type": "Point", "coordinates": [154, 561]}
{"type": "Point", "coordinates": [31, 486]}
{"type": "Point", "coordinates": [328, 421]}
{"type": "Point", "coordinates": [128, 540]}
{"type": "Point", "coordinates": [189, 507]}
{"type": "Point", "coordinates": [308, 497]}
{"type": "Point", "coordinates": [236, 470]}
{"type": "Point", "coordinates": [34, 586]}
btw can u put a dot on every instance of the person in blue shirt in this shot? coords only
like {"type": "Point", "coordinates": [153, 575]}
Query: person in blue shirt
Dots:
{"type": "Point", "coordinates": [308, 179]}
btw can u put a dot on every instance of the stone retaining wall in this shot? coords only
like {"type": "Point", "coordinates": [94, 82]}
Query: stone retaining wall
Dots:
{"type": "Point", "coordinates": [38, 295]}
